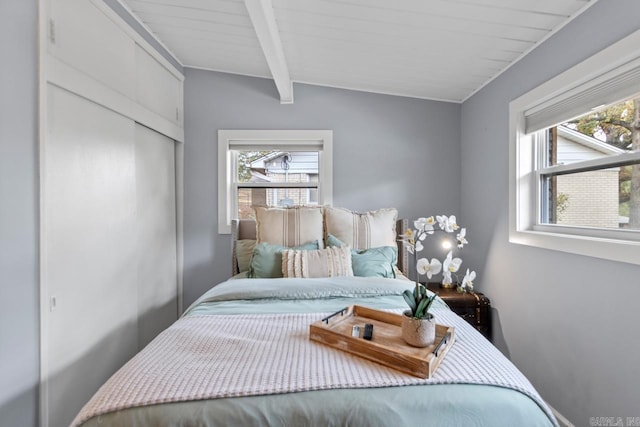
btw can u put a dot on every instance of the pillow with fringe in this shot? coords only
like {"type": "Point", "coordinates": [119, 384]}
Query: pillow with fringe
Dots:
{"type": "Point", "coordinates": [329, 262]}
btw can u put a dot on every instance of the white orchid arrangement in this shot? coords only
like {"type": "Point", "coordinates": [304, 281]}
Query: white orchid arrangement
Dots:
{"type": "Point", "coordinates": [413, 238]}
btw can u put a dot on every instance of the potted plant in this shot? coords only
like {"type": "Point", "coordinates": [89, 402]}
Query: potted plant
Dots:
{"type": "Point", "coordinates": [418, 325]}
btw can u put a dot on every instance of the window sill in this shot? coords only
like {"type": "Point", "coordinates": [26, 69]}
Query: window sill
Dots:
{"type": "Point", "coordinates": [597, 247]}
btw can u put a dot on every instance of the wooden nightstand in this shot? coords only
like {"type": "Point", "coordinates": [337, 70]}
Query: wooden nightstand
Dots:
{"type": "Point", "coordinates": [473, 307]}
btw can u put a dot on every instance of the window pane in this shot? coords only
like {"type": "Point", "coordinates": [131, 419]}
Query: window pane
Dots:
{"type": "Point", "coordinates": [277, 166]}
{"type": "Point", "coordinates": [607, 131]}
{"type": "Point", "coordinates": [600, 198]}
{"type": "Point", "coordinates": [603, 198]}
{"type": "Point", "coordinates": [274, 167]}
{"type": "Point", "coordinates": [248, 197]}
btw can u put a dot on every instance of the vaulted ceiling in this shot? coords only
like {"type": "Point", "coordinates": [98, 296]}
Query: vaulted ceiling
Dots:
{"type": "Point", "coordinates": [433, 49]}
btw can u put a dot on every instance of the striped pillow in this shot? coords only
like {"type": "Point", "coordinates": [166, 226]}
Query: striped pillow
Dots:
{"type": "Point", "coordinates": [330, 262]}
{"type": "Point", "coordinates": [362, 230]}
{"type": "Point", "coordinates": [293, 226]}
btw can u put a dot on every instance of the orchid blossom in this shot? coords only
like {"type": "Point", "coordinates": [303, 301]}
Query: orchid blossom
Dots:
{"type": "Point", "coordinates": [423, 266]}
{"type": "Point", "coordinates": [446, 277]}
{"type": "Point", "coordinates": [408, 240]}
{"type": "Point", "coordinates": [461, 238]}
{"type": "Point", "coordinates": [467, 282]}
{"type": "Point", "coordinates": [447, 224]}
{"type": "Point", "coordinates": [450, 265]}
{"type": "Point", "coordinates": [424, 226]}
{"type": "Point", "coordinates": [412, 238]}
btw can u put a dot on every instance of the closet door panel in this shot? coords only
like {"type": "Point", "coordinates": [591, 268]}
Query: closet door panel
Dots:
{"type": "Point", "coordinates": [89, 249]}
{"type": "Point", "coordinates": [152, 75]}
{"type": "Point", "coordinates": [89, 41]}
{"type": "Point", "coordinates": [156, 232]}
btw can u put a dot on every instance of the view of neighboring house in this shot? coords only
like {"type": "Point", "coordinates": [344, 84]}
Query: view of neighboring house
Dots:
{"type": "Point", "coordinates": [588, 198]}
{"type": "Point", "coordinates": [281, 167]}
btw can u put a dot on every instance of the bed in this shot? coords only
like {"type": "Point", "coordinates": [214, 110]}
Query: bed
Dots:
{"type": "Point", "coordinates": [241, 356]}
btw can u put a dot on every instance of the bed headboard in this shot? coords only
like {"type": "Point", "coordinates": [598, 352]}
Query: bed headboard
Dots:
{"type": "Point", "coordinates": [246, 229]}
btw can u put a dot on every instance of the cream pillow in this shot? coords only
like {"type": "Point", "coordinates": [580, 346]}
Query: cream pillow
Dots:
{"type": "Point", "coordinates": [329, 262]}
{"type": "Point", "coordinates": [293, 226]}
{"type": "Point", "coordinates": [362, 230]}
{"type": "Point", "coordinates": [244, 250]}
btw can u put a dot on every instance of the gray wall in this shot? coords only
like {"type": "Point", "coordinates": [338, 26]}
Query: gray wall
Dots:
{"type": "Point", "coordinates": [19, 320]}
{"type": "Point", "coordinates": [568, 322]}
{"type": "Point", "coordinates": [388, 151]}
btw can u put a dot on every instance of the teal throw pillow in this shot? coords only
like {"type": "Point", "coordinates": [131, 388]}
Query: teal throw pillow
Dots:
{"type": "Point", "coordinates": [334, 241]}
{"type": "Point", "coordinates": [372, 262]}
{"type": "Point", "coordinates": [266, 261]}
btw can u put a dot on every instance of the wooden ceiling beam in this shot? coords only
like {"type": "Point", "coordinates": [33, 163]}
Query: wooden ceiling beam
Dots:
{"type": "Point", "coordinates": [264, 23]}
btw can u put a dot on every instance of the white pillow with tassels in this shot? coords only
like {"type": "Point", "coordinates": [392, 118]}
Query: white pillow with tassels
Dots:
{"type": "Point", "coordinates": [329, 262]}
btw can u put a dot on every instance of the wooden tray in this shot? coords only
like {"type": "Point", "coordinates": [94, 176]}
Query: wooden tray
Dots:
{"type": "Point", "coordinates": [387, 346]}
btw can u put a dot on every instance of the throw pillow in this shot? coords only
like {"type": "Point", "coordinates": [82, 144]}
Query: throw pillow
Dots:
{"type": "Point", "coordinates": [372, 262]}
{"type": "Point", "coordinates": [362, 230]}
{"type": "Point", "coordinates": [289, 226]}
{"type": "Point", "coordinates": [329, 262]}
{"type": "Point", "coordinates": [266, 261]}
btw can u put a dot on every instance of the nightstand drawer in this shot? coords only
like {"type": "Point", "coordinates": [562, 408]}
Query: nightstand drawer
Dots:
{"type": "Point", "coordinates": [473, 307]}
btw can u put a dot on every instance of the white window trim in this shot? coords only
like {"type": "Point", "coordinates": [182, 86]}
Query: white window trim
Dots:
{"type": "Point", "coordinates": [270, 139]}
{"type": "Point", "coordinates": [524, 227]}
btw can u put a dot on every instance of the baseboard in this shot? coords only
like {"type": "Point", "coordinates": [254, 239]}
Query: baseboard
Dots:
{"type": "Point", "coordinates": [561, 418]}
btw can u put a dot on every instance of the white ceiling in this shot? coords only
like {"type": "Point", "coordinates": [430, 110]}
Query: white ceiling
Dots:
{"type": "Point", "coordinates": [433, 49]}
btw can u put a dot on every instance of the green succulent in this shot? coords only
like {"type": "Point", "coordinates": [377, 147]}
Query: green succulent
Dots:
{"type": "Point", "coordinates": [419, 301]}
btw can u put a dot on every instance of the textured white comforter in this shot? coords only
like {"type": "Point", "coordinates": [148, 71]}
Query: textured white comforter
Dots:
{"type": "Point", "coordinates": [219, 356]}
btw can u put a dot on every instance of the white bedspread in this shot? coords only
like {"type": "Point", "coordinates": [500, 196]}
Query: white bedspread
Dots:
{"type": "Point", "coordinates": [206, 357]}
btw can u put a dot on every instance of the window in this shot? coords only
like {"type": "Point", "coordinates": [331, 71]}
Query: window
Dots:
{"type": "Point", "coordinates": [585, 181]}
{"type": "Point", "coordinates": [575, 158]}
{"type": "Point", "coordinates": [274, 178]}
{"type": "Point", "coordinates": [273, 168]}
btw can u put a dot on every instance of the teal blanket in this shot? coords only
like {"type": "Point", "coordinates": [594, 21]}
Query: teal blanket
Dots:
{"type": "Point", "coordinates": [431, 404]}
{"type": "Point", "coordinates": [292, 295]}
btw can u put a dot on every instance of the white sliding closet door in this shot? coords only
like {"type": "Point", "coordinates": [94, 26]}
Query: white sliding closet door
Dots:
{"type": "Point", "coordinates": [156, 231]}
{"type": "Point", "coordinates": [89, 249]}
{"type": "Point", "coordinates": [108, 246]}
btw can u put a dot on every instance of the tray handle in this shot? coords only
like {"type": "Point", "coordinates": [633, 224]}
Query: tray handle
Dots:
{"type": "Point", "coordinates": [340, 312]}
{"type": "Point", "coordinates": [444, 341]}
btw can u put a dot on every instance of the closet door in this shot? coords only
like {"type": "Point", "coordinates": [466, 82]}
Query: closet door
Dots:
{"type": "Point", "coordinates": [109, 279]}
{"type": "Point", "coordinates": [151, 75]}
{"type": "Point", "coordinates": [89, 41]}
{"type": "Point", "coordinates": [89, 249]}
{"type": "Point", "coordinates": [156, 233]}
